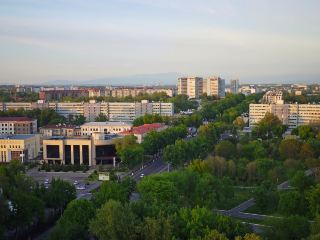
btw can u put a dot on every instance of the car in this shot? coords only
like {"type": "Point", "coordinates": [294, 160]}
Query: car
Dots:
{"type": "Point", "coordinates": [75, 182]}
{"type": "Point", "coordinates": [46, 181]}
{"type": "Point", "coordinates": [81, 187]}
{"type": "Point", "coordinates": [142, 175]}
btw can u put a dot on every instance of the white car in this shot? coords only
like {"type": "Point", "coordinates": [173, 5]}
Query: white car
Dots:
{"type": "Point", "coordinates": [46, 181]}
{"type": "Point", "coordinates": [142, 175]}
{"type": "Point", "coordinates": [75, 182]}
{"type": "Point", "coordinates": [81, 187]}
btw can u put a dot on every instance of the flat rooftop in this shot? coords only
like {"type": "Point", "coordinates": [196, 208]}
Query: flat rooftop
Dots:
{"type": "Point", "coordinates": [106, 124]}
{"type": "Point", "coordinates": [15, 119]}
{"type": "Point", "coordinates": [16, 137]}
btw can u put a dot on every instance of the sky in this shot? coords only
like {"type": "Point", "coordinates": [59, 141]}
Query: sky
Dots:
{"type": "Point", "coordinates": [79, 40]}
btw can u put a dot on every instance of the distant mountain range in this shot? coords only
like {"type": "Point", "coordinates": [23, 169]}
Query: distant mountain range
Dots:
{"type": "Point", "coordinates": [139, 79]}
{"type": "Point", "coordinates": [164, 79]}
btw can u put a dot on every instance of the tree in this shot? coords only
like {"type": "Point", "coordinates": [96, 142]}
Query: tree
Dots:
{"type": "Point", "coordinates": [300, 181]}
{"type": "Point", "coordinates": [289, 148]}
{"type": "Point", "coordinates": [26, 208]}
{"type": "Point", "coordinates": [113, 221]}
{"type": "Point", "coordinates": [269, 126]}
{"type": "Point", "coordinates": [101, 118]}
{"type": "Point", "coordinates": [239, 123]}
{"type": "Point", "coordinates": [249, 236]}
{"type": "Point", "coordinates": [291, 203]}
{"type": "Point", "coordinates": [131, 153]}
{"type": "Point", "coordinates": [217, 164]}
{"type": "Point", "coordinates": [113, 190]}
{"type": "Point", "coordinates": [74, 223]}
{"type": "Point", "coordinates": [59, 194]}
{"type": "Point", "coordinates": [209, 132]}
{"type": "Point", "coordinates": [313, 198]}
{"type": "Point", "coordinates": [225, 149]}
{"type": "Point", "coordinates": [158, 190]}
{"type": "Point", "coordinates": [253, 150]}
{"type": "Point", "coordinates": [214, 235]}
{"type": "Point", "coordinates": [266, 197]}
{"type": "Point", "coordinates": [293, 227]}
{"type": "Point", "coordinates": [304, 132]}
{"type": "Point", "coordinates": [252, 171]}
{"type": "Point", "coordinates": [307, 151]}
{"type": "Point", "coordinates": [159, 228]}
{"type": "Point", "coordinates": [78, 120]}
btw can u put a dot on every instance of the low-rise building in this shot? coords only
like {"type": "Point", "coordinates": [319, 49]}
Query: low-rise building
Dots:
{"type": "Point", "coordinates": [141, 131]}
{"type": "Point", "coordinates": [87, 150]}
{"type": "Point", "coordinates": [273, 97]}
{"type": "Point", "coordinates": [19, 147]}
{"type": "Point", "coordinates": [65, 130]}
{"type": "Point", "coordinates": [89, 128]}
{"type": "Point", "coordinates": [17, 125]}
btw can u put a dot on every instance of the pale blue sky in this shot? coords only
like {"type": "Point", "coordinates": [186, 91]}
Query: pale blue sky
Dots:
{"type": "Point", "coordinates": [253, 40]}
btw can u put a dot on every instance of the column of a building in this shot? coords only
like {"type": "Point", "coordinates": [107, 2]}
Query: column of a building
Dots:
{"type": "Point", "coordinates": [81, 155]}
{"type": "Point", "coordinates": [72, 155]}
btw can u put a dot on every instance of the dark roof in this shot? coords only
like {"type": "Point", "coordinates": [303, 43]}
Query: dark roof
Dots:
{"type": "Point", "coordinates": [57, 126]}
{"type": "Point", "coordinates": [17, 119]}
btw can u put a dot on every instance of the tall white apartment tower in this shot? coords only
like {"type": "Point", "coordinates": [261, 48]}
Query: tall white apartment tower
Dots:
{"type": "Point", "coordinates": [194, 88]}
{"type": "Point", "coordinates": [234, 86]}
{"type": "Point", "coordinates": [214, 86]}
{"type": "Point", "coordinates": [191, 86]}
{"type": "Point", "coordinates": [183, 85]}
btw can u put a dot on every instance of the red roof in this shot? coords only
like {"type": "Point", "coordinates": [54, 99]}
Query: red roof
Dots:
{"type": "Point", "coordinates": [143, 128]}
{"type": "Point", "coordinates": [15, 119]}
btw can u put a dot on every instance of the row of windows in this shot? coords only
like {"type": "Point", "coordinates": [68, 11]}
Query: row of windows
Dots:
{"type": "Point", "coordinates": [10, 146]}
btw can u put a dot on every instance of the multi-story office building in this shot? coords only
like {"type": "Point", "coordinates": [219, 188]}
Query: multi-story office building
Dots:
{"type": "Point", "coordinates": [292, 115]}
{"type": "Point", "coordinates": [89, 128]}
{"type": "Point", "coordinates": [214, 86]}
{"type": "Point", "coordinates": [190, 86]}
{"type": "Point", "coordinates": [19, 147]}
{"type": "Point", "coordinates": [17, 125]}
{"type": "Point", "coordinates": [65, 130]}
{"type": "Point", "coordinates": [234, 86]}
{"type": "Point", "coordinates": [87, 150]}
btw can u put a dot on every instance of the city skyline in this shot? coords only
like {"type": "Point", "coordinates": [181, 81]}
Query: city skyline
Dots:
{"type": "Point", "coordinates": [120, 41]}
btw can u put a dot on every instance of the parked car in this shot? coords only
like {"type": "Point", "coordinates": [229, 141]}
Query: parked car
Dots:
{"type": "Point", "coordinates": [81, 187]}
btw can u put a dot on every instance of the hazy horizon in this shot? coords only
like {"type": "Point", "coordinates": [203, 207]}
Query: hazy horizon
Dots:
{"type": "Point", "coordinates": [120, 40]}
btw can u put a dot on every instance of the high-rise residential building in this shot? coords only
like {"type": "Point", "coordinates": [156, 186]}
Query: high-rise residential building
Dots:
{"type": "Point", "coordinates": [190, 86]}
{"type": "Point", "coordinates": [183, 86]}
{"type": "Point", "coordinates": [214, 86]}
{"type": "Point", "coordinates": [195, 87]}
{"type": "Point", "coordinates": [234, 86]}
